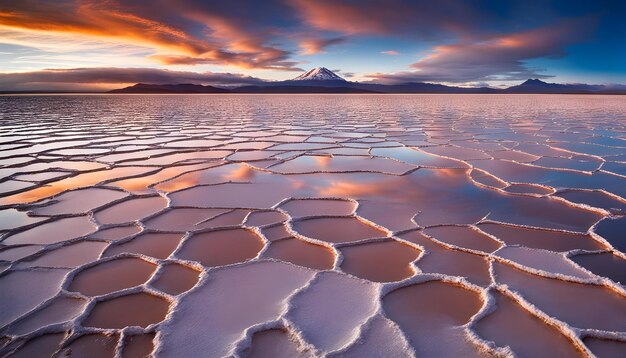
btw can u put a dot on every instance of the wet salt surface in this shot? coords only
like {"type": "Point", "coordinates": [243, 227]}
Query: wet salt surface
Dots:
{"type": "Point", "coordinates": [314, 225]}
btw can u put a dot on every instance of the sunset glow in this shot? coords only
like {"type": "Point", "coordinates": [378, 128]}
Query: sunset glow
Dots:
{"type": "Point", "coordinates": [201, 42]}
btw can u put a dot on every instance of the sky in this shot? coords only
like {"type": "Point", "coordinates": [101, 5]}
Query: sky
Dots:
{"type": "Point", "coordinates": [105, 44]}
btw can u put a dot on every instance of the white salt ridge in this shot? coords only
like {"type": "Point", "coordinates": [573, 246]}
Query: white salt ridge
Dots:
{"type": "Point", "coordinates": [456, 246]}
{"type": "Point", "coordinates": [338, 207]}
{"type": "Point", "coordinates": [609, 298]}
{"type": "Point", "coordinates": [434, 333]}
{"type": "Point", "coordinates": [489, 220]}
{"type": "Point", "coordinates": [53, 232]}
{"type": "Point", "coordinates": [17, 299]}
{"type": "Point", "coordinates": [574, 334]}
{"type": "Point", "coordinates": [581, 205]}
{"type": "Point", "coordinates": [418, 157]}
{"type": "Point", "coordinates": [215, 315]}
{"type": "Point", "coordinates": [604, 241]}
{"type": "Point", "coordinates": [611, 211]}
{"type": "Point", "coordinates": [11, 219]}
{"type": "Point", "coordinates": [574, 273]}
{"type": "Point", "coordinates": [246, 196]}
{"type": "Point", "coordinates": [16, 253]}
{"type": "Point", "coordinates": [58, 310]}
{"type": "Point", "coordinates": [543, 260]}
{"type": "Point", "coordinates": [380, 337]}
{"type": "Point", "coordinates": [330, 325]}
{"type": "Point", "coordinates": [391, 216]}
{"type": "Point", "coordinates": [67, 256]}
{"type": "Point", "coordinates": [75, 202]}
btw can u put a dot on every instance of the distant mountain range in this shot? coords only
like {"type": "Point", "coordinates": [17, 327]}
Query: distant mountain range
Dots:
{"type": "Point", "coordinates": [323, 80]}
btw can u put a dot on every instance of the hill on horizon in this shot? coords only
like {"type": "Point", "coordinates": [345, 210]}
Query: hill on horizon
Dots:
{"type": "Point", "coordinates": [323, 80]}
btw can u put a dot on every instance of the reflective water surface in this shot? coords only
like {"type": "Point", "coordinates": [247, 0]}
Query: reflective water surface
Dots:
{"type": "Point", "coordinates": [312, 225]}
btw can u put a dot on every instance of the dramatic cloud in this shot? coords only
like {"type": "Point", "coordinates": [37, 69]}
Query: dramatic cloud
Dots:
{"type": "Point", "coordinates": [244, 34]}
{"type": "Point", "coordinates": [61, 78]}
{"type": "Point", "coordinates": [315, 46]}
{"type": "Point", "coordinates": [470, 41]}
{"type": "Point", "coordinates": [189, 37]}
{"type": "Point", "coordinates": [494, 58]}
{"type": "Point", "coordinates": [408, 18]}
{"type": "Point", "coordinates": [98, 19]}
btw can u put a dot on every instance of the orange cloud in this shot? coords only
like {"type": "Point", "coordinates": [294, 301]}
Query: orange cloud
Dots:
{"type": "Point", "coordinates": [110, 20]}
{"type": "Point", "coordinates": [338, 16]}
{"type": "Point", "coordinates": [241, 46]}
{"type": "Point", "coordinates": [390, 52]}
{"type": "Point", "coordinates": [408, 18]}
{"type": "Point", "coordinates": [99, 19]}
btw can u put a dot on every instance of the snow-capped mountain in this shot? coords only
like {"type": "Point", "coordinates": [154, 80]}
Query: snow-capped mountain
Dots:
{"type": "Point", "coordinates": [319, 74]}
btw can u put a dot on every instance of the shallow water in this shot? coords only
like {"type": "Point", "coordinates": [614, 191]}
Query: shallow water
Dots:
{"type": "Point", "coordinates": [312, 225]}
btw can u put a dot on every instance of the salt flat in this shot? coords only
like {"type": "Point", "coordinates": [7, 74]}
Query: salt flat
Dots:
{"type": "Point", "coordinates": [312, 225]}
